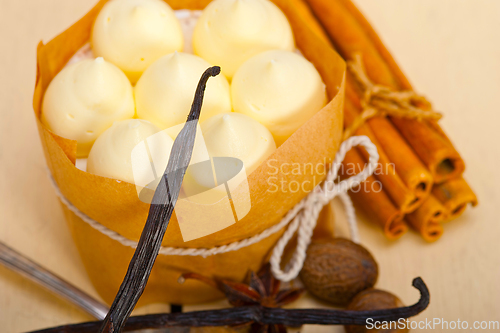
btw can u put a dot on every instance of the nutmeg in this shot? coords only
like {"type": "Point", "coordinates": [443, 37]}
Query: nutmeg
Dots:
{"type": "Point", "coordinates": [337, 270]}
{"type": "Point", "coordinates": [374, 299]}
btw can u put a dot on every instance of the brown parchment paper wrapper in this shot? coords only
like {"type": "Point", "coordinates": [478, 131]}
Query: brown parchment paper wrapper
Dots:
{"type": "Point", "coordinates": [116, 204]}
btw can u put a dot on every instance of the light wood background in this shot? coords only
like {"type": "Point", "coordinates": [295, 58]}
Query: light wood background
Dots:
{"type": "Point", "coordinates": [450, 50]}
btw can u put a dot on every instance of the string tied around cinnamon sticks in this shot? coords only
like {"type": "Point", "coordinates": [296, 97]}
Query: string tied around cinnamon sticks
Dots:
{"type": "Point", "coordinates": [381, 101]}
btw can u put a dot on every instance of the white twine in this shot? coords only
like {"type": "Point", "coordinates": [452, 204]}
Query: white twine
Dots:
{"type": "Point", "coordinates": [303, 216]}
{"type": "Point", "coordinates": [305, 220]}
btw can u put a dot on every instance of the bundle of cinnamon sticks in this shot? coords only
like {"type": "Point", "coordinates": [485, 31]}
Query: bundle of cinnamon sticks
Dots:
{"type": "Point", "coordinates": [419, 181]}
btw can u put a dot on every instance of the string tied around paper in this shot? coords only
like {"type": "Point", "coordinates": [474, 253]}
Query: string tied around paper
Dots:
{"type": "Point", "coordinates": [301, 218]}
{"type": "Point", "coordinates": [304, 221]}
{"type": "Point", "coordinates": [380, 101]}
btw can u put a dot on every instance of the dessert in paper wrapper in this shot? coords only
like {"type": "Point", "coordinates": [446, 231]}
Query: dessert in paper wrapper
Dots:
{"type": "Point", "coordinates": [116, 205]}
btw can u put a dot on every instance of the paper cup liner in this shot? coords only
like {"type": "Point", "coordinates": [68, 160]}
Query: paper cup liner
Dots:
{"type": "Point", "coordinates": [116, 205]}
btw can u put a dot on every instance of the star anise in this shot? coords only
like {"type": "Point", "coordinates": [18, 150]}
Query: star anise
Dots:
{"type": "Point", "coordinates": [262, 289]}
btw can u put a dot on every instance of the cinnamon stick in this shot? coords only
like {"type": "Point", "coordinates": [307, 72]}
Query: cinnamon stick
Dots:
{"type": "Point", "coordinates": [404, 178]}
{"type": "Point", "coordinates": [351, 33]}
{"type": "Point", "coordinates": [308, 17]}
{"type": "Point", "coordinates": [401, 196]}
{"type": "Point", "coordinates": [411, 182]}
{"type": "Point", "coordinates": [440, 157]}
{"type": "Point", "coordinates": [455, 195]}
{"type": "Point", "coordinates": [408, 168]}
{"type": "Point", "coordinates": [427, 219]}
{"type": "Point", "coordinates": [370, 197]}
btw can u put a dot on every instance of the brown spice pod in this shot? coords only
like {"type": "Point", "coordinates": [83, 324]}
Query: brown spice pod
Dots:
{"type": "Point", "coordinates": [374, 299]}
{"type": "Point", "coordinates": [337, 270]}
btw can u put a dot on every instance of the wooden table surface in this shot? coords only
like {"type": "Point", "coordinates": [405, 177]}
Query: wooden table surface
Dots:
{"type": "Point", "coordinates": [450, 49]}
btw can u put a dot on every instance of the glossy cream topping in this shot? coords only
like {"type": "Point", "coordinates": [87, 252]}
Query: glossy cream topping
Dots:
{"type": "Point", "coordinates": [165, 92]}
{"type": "Point", "coordinates": [133, 34]}
{"type": "Point", "coordinates": [131, 150]}
{"type": "Point", "coordinates": [280, 89]}
{"type": "Point", "coordinates": [229, 32]}
{"type": "Point", "coordinates": [84, 99]}
{"type": "Point", "coordinates": [237, 136]}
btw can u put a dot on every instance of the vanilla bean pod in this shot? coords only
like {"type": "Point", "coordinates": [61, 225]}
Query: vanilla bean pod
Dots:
{"type": "Point", "coordinates": [160, 211]}
{"type": "Point", "coordinates": [260, 314]}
